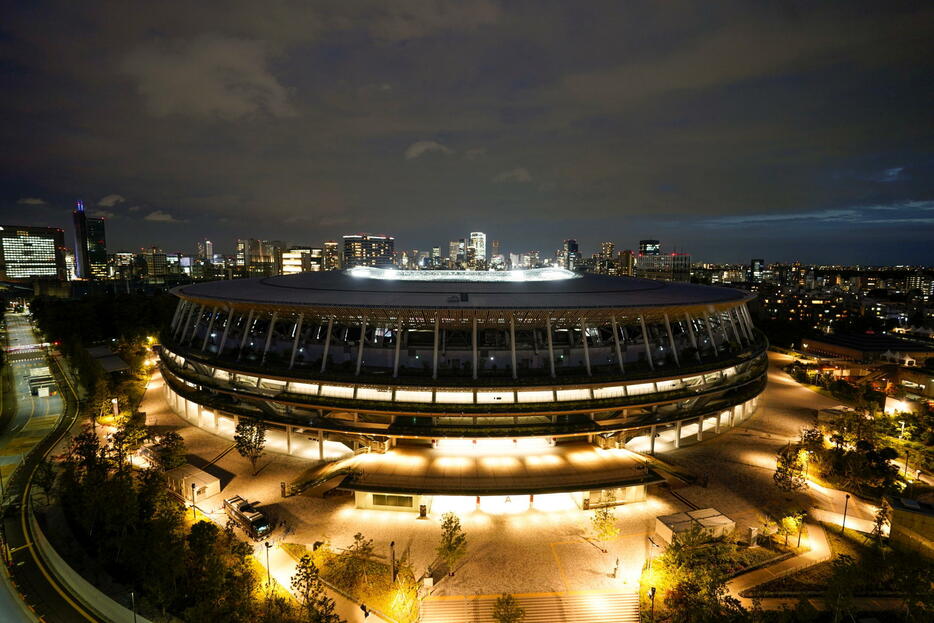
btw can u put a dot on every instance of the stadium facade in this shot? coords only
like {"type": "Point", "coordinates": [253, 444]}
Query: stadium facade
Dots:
{"type": "Point", "coordinates": [493, 387]}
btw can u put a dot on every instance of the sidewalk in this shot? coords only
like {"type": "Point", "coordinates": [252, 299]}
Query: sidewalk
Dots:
{"type": "Point", "coordinates": [819, 552]}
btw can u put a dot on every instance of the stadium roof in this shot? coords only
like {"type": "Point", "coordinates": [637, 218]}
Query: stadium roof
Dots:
{"type": "Point", "coordinates": [513, 290]}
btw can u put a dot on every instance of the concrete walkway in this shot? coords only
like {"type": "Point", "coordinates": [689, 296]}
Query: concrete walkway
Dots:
{"type": "Point", "coordinates": [819, 552]}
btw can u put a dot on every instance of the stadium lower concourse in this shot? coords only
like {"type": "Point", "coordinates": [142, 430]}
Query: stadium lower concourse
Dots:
{"type": "Point", "coordinates": [424, 391]}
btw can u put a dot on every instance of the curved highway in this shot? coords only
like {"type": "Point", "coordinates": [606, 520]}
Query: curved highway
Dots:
{"type": "Point", "coordinates": [30, 425]}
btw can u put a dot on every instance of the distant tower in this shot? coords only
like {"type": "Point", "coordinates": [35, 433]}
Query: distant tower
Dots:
{"type": "Point", "coordinates": [571, 254]}
{"type": "Point", "coordinates": [90, 244]}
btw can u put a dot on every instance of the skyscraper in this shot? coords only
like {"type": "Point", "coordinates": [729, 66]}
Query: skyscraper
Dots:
{"type": "Point", "coordinates": [478, 244]}
{"type": "Point", "coordinates": [90, 244]}
{"type": "Point", "coordinates": [571, 254]}
{"type": "Point", "coordinates": [756, 267]}
{"type": "Point", "coordinates": [649, 247]}
{"type": "Point", "coordinates": [29, 252]}
{"type": "Point", "coordinates": [206, 249]}
{"type": "Point", "coordinates": [368, 250]}
{"type": "Point", "coordinates": [332, 256]}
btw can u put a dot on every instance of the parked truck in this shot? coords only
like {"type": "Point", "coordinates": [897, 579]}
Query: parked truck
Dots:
{"type": "Point", "coordinates": [252, 521]}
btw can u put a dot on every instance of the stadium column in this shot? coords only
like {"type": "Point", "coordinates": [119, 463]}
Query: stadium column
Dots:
{"type": "Point", "coordinates": [434, 358]}
{"type": "Point", "coordinates": [729, 316]}
{"type": "Point", "coordinates": [645, 341]}
{"type": "Point", "coordinates": [619, 352]}
{"type": "Point", "coordinates": [321, 444]}
{"type": "Point", "coordinates": [272, 326]}
{"type": "Point", "coordinates": [722, 325]}
{"type": "Point", "coordinates": [671, 342]}
{"type": "Point", "coordinates": [652, 432]}
{"type": "Point", "coordinates": [700, 428]}
{"type": "Point", "coordinates": [288, 439]}
{"type": "Point", "coordinates": [678, 434]}
{"type": "Point", "coordinates": [473, 342]}
{"type": "Point", "coordinates": [551, 348]}
{"type": "Point", "coordinates": [178, 312]}
{"type": "Point", "coordinates": [194, 328]}
{"type": "Point", "coordinates": [586, 346]}
{"type": "Point", "coordinates": [207, 334]}
{"type": "Point", "coordinates": [690, 323]}
{"type": "Point", "coordinates": [717, 427]}
{"type": "Point", "coordinates": [746, 322]}
{"type": "Point", "coordinates": [298, 333]}
{"type": "Point", "coordinates": [716, 350]}
{"type": "Point", "coordinates": [246, 334]}
{"type": "Point", "coordinates": [227, 323]}
{"type": "Point", "coordinates": [327, 344]}
{"type": "Point", "coordinates": [182, 326]}
{"type": "Point", "coordinates": [512, 343]}
{"type": "Point", "coordinates": [360, 346]}
{"type": "Point", "coordinates": [395, 360]}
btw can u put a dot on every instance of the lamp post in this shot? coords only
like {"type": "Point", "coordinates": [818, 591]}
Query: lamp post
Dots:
{"type": "Point", "coordinates": [846, 503]}
{"type": "Point", "coordinates": [392, 557]}
{"type": "Point", "coordinates": [652, 599]}
{"type": "Point", "coordinates": [133, 603]}
{"type": "Point", "coordinates": [116, 407]}
{"type": "Point", "coordinates": [268, 568]}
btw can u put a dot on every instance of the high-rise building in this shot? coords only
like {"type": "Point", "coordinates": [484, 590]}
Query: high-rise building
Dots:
{"type": "Point", "coordinates": [627, 263]}
{"type": "Point", "coordinates": [664, 267]}
{"type": "Point", "coordinates": [756, 268]}
{"type": "Point", "coordinates": [649, 247]}
{"type": "Point", "coordinates": [478, 244]}
{"type": "Point", "coordinates": [157, 264]}
{"type": "Point", "coordinates": [332, 256]}
{"type": "Point", "coordinates": [457, 253]}
{"type": "Point", "coordinates": [368, 250]}
{"type": "Point", "coordinates": [495, 248]}
{"type": "Point", "coordinates": [90, 245]}
{"type": "Point", "coordinates": [206, 249]}
{"type": "Point", "coordinates": [436, 257]}
{"type": "Point", "coordinates": [571, 254]}
{"type": "Point", "coordinates": [302, 260]}
{"type": "Point", "coordinates": [31, 252]}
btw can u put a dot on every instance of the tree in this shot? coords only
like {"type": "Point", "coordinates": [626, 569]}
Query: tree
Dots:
{"type": "Point", "coordinates": [44, 477]}
{"type": "Point", "coordinates": [789, 469]}
{"type": "Point", "coordinates": [882, 519]}
{"type": "Point", "coordinates": [604, 524]}
{"type": "Point", "coordinates": [840, 586]}
{"type": "Point", "coordinates": [453, 545]}
{"type": "Point", "coordinates": [507, 610]}
{"type": "Point", "coordinates": [250, 440]}
{"type": "Point", "coordinates": [791, 525]}
{"type": "Point", "coordinates": [169, 451]}
{"type": "Point", "coordinates": [314, 605]}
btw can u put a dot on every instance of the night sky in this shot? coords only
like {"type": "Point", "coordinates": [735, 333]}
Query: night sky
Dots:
{"type": "Point", "coordinates": [783, 130]}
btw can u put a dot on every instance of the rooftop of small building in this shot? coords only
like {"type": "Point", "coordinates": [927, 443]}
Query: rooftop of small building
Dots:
{"type": "Point", "coordinates": [387, 288]}
{"type": "Point", "coordinates": [872, 342]}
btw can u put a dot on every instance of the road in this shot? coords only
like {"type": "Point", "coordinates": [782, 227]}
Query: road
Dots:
{"type": "Point", "coordinates": [26, 423]}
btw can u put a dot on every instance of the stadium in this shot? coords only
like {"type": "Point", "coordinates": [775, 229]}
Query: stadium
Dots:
{"type": "Point", "coordinates": [430, 390]}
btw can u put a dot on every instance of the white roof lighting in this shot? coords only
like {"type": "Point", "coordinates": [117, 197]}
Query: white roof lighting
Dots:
{"type": "Point", "coordinates": [535, 274]}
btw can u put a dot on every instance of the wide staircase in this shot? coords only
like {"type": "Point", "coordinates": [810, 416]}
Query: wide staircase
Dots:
{"type": "Point", "coordinates": [567, 608]}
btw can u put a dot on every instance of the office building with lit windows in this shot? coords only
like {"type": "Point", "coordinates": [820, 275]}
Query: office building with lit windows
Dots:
{"type": "Point", "coordinates": [368, 250]}
{"type": "Point", "coordinates": [32, 252]}
{"type": "Point", "coordinates": [448, 389]}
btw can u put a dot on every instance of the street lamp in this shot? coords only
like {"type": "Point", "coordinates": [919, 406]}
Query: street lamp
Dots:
{"type": "Point", "coordinates": [133, 603]}
{"type": "Point", "coordinates": [652, 599]}
{"type": "Point", "coordinates": [268, 568]}
{"type": "Point", "coordinates": [845, 504]}
{"type": "Point", "coordinates": [392, 556]}
{"type": "Point", "coordinates": [193, 491]}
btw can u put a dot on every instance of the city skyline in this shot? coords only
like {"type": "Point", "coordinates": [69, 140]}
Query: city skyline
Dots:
{"type": "Point", "coordinates": [797, 134]}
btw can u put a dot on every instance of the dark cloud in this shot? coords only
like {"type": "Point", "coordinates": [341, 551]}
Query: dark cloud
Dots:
{"type": "Point", "coordinates": [787, 130]}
